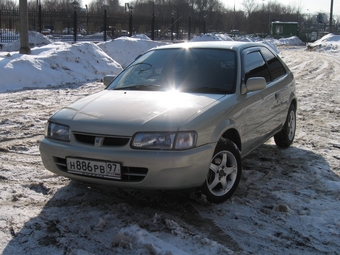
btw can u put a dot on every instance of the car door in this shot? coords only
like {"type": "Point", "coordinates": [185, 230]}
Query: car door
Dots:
{"type": "Point", "coordinates": [279, 84]}
{"type": "Point", "coordinates": [259, 106]}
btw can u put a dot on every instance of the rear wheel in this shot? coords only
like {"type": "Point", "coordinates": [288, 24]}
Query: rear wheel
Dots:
{"type": "Point", "coordinates": [224, 172]}
{"type": "Point", "coordinates": [286, 136]}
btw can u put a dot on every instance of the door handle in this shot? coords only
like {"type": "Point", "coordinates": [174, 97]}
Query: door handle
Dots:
{"type": "Point", "coordinates": [277, 95]}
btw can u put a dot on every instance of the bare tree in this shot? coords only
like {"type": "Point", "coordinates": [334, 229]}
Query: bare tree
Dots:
{"type": "Point", "coordinates": [249, 6]}
{"type": "Point", "coordinates": [8, 4]}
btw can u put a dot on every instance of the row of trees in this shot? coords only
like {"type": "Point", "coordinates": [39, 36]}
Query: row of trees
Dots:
{"type": "Point", "coordinates": [210, 15]}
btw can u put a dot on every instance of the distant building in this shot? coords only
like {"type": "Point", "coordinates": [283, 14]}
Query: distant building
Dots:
{"type": "Point", "coordinates": [280, 29]}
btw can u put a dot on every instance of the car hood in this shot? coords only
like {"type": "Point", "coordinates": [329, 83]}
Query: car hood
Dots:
{"type": "Point", "coordinates": [119, 112]}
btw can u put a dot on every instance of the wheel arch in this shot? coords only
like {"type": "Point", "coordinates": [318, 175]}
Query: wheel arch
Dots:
{"type": "Point", "coordinates": [293, 99]}
{"type": "Point", "coordinates": [294, 102]}
{"type": "Point", "coordinates": [233, 135]}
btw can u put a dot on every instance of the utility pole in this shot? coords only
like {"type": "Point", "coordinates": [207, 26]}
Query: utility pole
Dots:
{"type": "Point", "coordinates": [331, 18]}
{"type": "Point", "coordinates": [24, 42]}
{"type": "Point", "coordinates": [153, 22]}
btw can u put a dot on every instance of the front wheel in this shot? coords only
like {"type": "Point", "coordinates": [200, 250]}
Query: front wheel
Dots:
{"type": "Point", "coordinates": [224, 172]}
{"type": "Point", "coordinates": [286, 136]}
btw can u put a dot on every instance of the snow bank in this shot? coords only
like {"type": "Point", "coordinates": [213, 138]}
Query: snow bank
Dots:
{"type": "Point", "coordinates": [225, 37]}
{"type": "Point", "coordinates": [328, 43]}
{"type": "Point", "coordinates": [35, 39]}
{"type": "Point", "coordinates": [293, 41]}
{"type": "Point", "coordinates": [55, 64]}
{"type": "Point", "coordinates": [211, 37]}
{"type": "Point", "coordinates": [125, 49]}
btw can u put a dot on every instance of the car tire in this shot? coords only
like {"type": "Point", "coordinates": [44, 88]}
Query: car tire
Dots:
{"type": "Point", "coordinates": [286, 136]}
{"type": "Point", "coordinates": [224, 172]}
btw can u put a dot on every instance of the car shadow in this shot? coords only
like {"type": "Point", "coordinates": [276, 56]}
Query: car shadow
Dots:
{"type": "Point", "coordinates": [83, 218]}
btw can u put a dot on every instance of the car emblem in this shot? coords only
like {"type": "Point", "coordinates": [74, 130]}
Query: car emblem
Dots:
{"type": "Point", "coordinates": [98, 141]}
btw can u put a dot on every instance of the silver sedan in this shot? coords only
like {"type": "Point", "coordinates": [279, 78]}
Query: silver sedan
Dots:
{"type": "Point", "coordinates": [179, 116]}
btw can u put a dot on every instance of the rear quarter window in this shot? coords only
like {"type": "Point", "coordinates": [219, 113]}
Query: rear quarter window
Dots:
{"type": "Point", "coordinates": [275, 66]}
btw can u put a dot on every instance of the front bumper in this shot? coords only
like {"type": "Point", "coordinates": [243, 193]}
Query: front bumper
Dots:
{"type": "Point", "coordinates": [153, 169]}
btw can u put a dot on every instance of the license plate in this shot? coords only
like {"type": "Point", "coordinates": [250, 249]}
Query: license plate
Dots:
{"type": "Point", "coordinates": [93, 168]}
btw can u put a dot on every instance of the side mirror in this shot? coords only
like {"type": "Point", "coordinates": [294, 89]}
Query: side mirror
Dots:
{"type": "Point", "coordinates": [108, 79]}
{"type": "Point", "coordinates": [254, 83]}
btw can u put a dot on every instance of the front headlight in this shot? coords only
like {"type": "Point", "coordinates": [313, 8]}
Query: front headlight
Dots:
{"type": "Point", "coordinates": [164, 140]}
{"type": "Point", "coordinates": [58, 132]}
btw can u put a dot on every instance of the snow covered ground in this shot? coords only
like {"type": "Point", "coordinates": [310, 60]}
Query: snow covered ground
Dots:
{"type": "Point", "coordinates": [287, 201]}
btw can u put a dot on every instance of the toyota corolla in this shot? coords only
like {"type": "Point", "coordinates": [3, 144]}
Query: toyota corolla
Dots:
{"type": "Point", "coordinates": [179, 116]}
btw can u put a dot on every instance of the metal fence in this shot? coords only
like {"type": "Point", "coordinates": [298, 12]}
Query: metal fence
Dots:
{"type": "Point", "coordinates": [9, 25]}
{"type": "Point", "coordinates": [60, 25]}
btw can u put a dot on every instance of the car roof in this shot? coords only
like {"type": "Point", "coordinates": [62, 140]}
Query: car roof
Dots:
{"type": "Point", "coordinates": [231, 45]}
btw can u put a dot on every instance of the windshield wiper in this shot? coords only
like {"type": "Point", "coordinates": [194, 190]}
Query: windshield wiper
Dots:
{"type": "Point", "coordinates": [140, 87]}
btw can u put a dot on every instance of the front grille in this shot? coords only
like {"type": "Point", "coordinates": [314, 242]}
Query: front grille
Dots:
{"type": "Point", "coordinates": [89, 139]}
{"type": "Point", "coordinates": [107, 140]}
{"type": "Point", "coordinates": [129, 174]}
{"type": "Point", "coordinates": [115, 141]}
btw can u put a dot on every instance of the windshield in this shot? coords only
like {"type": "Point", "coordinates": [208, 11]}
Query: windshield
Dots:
{"type": "Point", "coordinates": [190, 70]}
